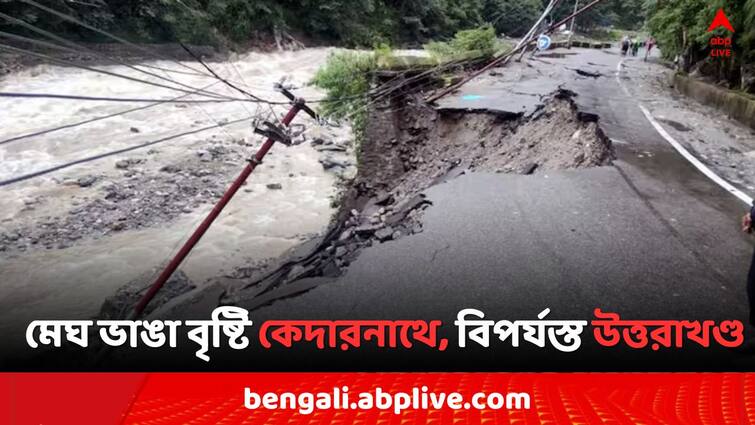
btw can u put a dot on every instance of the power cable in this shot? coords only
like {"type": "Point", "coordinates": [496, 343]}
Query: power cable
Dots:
{"type": "Point", "coordinates": [243, 81]}
{"type": "Point", "coordinates": [112, 153]}
{"type": "Point", "coordinates": [102, 71]}
{"type": "Point", "coordinates": [226, 82]}
{"type": "Point", "coordinates": [59, 39]}
{"type": "Point", "coordinates": [77, 48]}
{"type": "Point", "coordinates": [149, 51]}
{"type": "Point", "coordinates": [91, 120]}
{"type": "Point", "coordinates": [112, 99]}
{"type": "Point", "coordinates": [108, 35]}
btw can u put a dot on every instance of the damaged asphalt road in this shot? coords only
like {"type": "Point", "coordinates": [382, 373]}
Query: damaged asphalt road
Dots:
{"type": "Point", "coordinates": [402, 155]}
{"type": "Point", "coordinates": [648, 237]}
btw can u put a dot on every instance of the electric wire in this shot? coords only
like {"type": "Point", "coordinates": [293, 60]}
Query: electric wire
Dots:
{"type": "Point", "coordinates": [140, 146]}
{"type": "Point", "coordinates": [102, 71]}
{"type": "Point", "coordinates": [112, 153]}
{"type": "Point", "coordinates": [374, 95]}
{"type": "Point", "coordinates": [112, 99]}
{"type": "Point", "coordinates": [111, 36]}
{"type": "Point", "coordinates": [91, 120]}
{"type": "Point", "coordinates": [226, 82]}
{"type": "Point", "coordinates": [79, 49]}
{"type": "Point", "coordinates": [242, 80]}
{"type": "Point", "coordinates": [156, 54]}
{"type": "Point", "coordinates": [55, 37]}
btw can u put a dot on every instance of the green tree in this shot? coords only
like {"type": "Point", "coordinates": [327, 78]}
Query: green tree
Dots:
{"type": "Point", "coordinates": [345, 78]}
{"type": "Point", "coordinates": [681, 28]}
{"type": "Point", "coordinates": [513, 17]}
{"type": "Point", "coordinates": [621, 14]}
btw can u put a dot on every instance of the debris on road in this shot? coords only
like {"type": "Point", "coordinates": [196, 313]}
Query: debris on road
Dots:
{"type": "Point", "coordinates": [591, 74]}
{"type": "Point", "coordinates": [406, 152]}
{"type": "Point", "coordinates": [119, 304]}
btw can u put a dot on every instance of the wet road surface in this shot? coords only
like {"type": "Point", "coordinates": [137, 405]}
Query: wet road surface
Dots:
{"type": "Point", "coordinates": [649, 238]}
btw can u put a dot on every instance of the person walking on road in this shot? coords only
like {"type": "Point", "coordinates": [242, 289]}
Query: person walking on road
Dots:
{"type": "Point", "coordinates": [649, 43]}
{"type": "Point", "coordinates": [747, 227]}
{"type": "Point", "coordinates": [624, 45]}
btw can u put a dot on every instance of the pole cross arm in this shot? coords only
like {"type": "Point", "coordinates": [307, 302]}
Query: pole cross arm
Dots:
{"type": "Point", "coordinates": [296, 100]}
{"type": "Point", "coordinates": [274, 133]}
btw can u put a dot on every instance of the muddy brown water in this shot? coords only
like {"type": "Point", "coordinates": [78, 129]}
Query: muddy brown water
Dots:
{"type": "Point", "coordinates": [260, 222]}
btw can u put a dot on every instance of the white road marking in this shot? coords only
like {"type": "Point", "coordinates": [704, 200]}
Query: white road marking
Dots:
{"type": "Point", "coordinates": [684, 152]}
{"type": "Point", "coordinates": [618, 77]}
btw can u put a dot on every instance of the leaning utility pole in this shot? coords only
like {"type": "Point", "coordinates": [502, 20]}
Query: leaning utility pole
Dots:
{"type": "Point", "coordinates": [582, 10]}
{"type": "Point", "coordinates": [534, 32]}
{"type": "Point", "coordinates": [501, 60]}
{"type": "Point", "coordinates": [504, 58]}
{"type": "Point", "coordinates": [274, 134]}
{"type": "Point", "coordinates": [571, 26]}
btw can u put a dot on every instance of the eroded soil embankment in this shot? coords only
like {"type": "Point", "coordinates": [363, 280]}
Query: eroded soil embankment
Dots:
{"type": "Point", "coordinates": [410, 146]}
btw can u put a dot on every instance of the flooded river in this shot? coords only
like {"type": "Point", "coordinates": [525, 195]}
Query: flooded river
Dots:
{"type": "Point", "coordinates": [287, 198]}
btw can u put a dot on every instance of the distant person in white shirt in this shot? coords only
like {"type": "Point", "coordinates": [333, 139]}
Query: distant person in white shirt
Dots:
{"type": "Point", "coordinates": [624, 45]}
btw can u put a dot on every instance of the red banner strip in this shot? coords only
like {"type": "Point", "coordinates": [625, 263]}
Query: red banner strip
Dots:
{"type": "Point", "coordinates": [397, 398]}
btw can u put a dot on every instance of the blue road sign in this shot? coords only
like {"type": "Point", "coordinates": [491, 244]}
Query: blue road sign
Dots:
{"type": "Point", "coordinates": [543, 42]}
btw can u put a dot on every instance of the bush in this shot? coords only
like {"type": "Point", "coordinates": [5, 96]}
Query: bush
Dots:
{"type": "Point", "coordinates": [610, 34]}
{"type": "Point", "coordinates": [513, 18]}
{"type": "Point", "coordinates": [346, 79]}
{"type": "Point", "coordinates": [480, 42]}
{"type": "Point", "coordinates": [480, 39]}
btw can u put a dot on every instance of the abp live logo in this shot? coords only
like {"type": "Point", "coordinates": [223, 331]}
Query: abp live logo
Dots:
{"type": "Point", "coordinates": [720, 46]}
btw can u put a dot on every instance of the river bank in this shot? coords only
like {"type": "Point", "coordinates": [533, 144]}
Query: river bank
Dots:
{"type": "Point", "coordinates": [71, 238]}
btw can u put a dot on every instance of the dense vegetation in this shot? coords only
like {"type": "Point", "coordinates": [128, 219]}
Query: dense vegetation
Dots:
{"type": "Point", "coordinates": [345, 22]}
{"type": "Point", "coordinates": [679, 25]}
{"type": "Point", "coordinates": [346, 80]}
{"type": "Point", "coordinates": [346, 77]}
{"type": "Point", "coordinates": [473, 42]}
{"type": "Point", "coordinates": [681, 29]}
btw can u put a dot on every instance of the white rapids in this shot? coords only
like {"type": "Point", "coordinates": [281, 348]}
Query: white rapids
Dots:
{"type": "Point", "coordinates": [71, 283]}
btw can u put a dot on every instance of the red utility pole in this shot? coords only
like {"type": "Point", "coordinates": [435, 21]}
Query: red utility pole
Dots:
{"type": "Point", "coordinates": [573, 15]}
{"type": "Point", "coordinates": [297, 106]}
{"type": "Point", "coordinates": [571, 26]}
